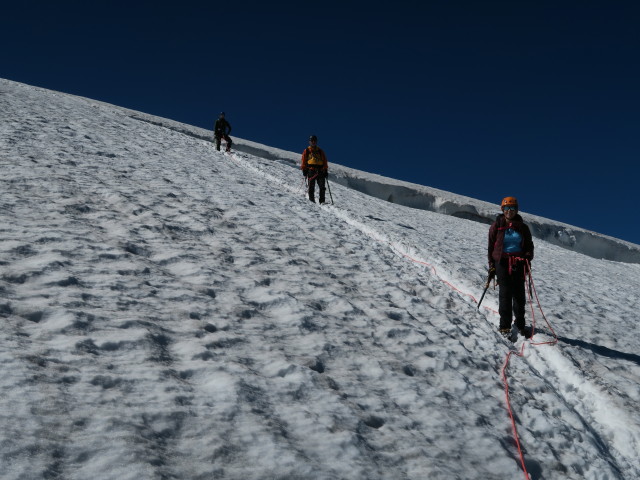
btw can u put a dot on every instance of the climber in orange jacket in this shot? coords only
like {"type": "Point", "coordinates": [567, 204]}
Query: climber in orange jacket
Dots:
{"type": "Point", "coordinates": [315, 168]}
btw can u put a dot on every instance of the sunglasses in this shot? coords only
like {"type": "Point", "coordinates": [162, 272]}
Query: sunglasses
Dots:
{"type": "Point", "coordinates": [511, 208]}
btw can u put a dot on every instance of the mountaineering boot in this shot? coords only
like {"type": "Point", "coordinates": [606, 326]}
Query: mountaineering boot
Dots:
{"type": "Point", "coordinates": [522, 327]}
{"type": "Point", "coordinates": [508, 334]}
{"type": "Point", "coordinates": [525, 332]}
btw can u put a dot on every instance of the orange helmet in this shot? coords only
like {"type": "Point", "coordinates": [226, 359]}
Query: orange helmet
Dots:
{"type": "Point", "coordinates": [509, 202]}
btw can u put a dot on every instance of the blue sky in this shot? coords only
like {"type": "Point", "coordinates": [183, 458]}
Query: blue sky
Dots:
{"type": "Point", "coordinates": [534, 99]}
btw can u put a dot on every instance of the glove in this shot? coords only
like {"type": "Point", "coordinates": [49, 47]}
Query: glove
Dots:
{"type": "Point", "coordinates": [305, 172]}
{"type": "Point", "coordinates": [325, 174]}
{"type": "Point", "coordinates": [491, 274]}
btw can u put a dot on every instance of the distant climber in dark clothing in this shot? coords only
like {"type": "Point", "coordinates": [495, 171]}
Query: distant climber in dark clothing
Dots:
{"type": "Point", "coordinates": [221, 130]}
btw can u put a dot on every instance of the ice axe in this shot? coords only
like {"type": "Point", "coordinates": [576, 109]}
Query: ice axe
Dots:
{"type": "Point", "coordinates": [329, 187]}
{"type": "Point", "coordinates": [491, 274]}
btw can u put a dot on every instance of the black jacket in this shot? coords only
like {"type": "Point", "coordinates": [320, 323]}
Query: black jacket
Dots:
{"type": "Point", "coordinates": [222, 127]}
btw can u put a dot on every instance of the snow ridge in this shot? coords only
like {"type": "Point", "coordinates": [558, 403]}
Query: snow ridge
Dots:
{"type": "Point", "coordinates": [427, 198]}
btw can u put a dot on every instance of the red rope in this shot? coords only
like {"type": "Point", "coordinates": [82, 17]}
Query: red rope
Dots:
{"type": "Point", "coordinates": [509, 409]}
{"type": "Point", "coordinates": [521, 354]}
{"type": "Point", "coordinates": [511, 352]}
{"type": "Point", "coordinates": [533, 318]}
{"type": "Point", "coordinates": [449, 284]}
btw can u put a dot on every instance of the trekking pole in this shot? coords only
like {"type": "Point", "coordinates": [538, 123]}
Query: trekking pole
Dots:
{"type": "Point", "coordinates": [490, 276]}
{"type": "Point", "coordinates": [329, 187]}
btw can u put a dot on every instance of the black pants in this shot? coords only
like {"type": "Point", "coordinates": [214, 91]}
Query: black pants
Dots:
{"type": "Point", "coordinates": [313, 178]}
{"type": "Point", "coordinates": [512, 297]}
{"type": "Point", "coordinates": [227, 139]}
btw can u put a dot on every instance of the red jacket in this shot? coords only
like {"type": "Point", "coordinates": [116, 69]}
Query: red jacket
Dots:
{"type": "Point", "coordinates": [496, 238]}
{"type": "Point", "coordinates": [314, 157]}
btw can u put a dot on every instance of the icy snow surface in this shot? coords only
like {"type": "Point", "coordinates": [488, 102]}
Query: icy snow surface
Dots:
{"type": "Point", "coordinates": [170, 311]}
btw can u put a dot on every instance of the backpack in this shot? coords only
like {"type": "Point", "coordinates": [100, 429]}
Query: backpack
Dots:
{"type": "Point", "coordinates": [314, 158]}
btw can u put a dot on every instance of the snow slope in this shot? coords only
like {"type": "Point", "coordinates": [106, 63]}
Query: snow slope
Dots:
{"type": "Point", "coordinates": [170, 311]}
